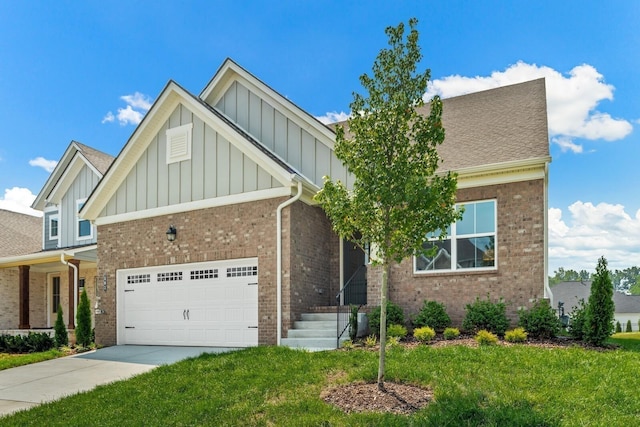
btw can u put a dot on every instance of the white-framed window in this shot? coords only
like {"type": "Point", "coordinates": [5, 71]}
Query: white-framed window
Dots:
{"type": "Point", "coordinates": [469, 245]}
{"type": "Point", "coordinates": [179, 143]}
{"type": "Point", "coordinates": [54, 227]}
{"type": "Point", "coordinates": [84, 230]}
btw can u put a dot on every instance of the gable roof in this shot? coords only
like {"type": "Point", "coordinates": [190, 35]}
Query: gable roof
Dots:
{"type": "Point", "coordinates": [22, 233]}
{"type": "Point", "coordinates": [570, 293]}
{"type": "Point", "coordinates": [76, 154]}
{"type": "Point", "coordinates": [171, 96]}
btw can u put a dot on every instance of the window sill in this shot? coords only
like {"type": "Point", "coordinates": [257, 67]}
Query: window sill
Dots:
{"type": "Point", "coordinates": [426, 274]}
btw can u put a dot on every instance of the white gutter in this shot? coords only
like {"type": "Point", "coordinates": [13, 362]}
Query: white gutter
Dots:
{"type": "Point", "coordinates": [279, 257]}
{"type": "Point", "coordinates": [75, 284]}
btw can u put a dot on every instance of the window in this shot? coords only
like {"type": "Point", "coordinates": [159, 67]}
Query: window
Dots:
{"type": "Point", "coordinates": [53, 227]}
{"type": "Point", "coordinates": [470, 244]}
{"type": "Point", "coordinates": [55, 294]}
{"type": "Point", "coordinates": [84, 230]}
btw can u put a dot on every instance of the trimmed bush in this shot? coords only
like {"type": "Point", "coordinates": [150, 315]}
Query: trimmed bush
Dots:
{"type": "Point", "coordinates": [598, 325]}
{"type": "Point", "coordinates": [371, 341]}
{"type": "Point", "coordinates": [61, 336]}
{"type": "Point", "coordinates": [541, 321]}
{"type": "Point", "coordinates": [424, 334]}
{"type": "Point", "coordinates": [491, 316]}
{"type": "Point", "coordinates": [629, 328]}
{"type": "Point", "coordinates": [577, 319]}
{"type": "Point", "coordinates": [393, 342]}
{"type": "Point", "coordinates": [398, 331]}
{"type": "Point", "coordinates": [485, 337]}
{"type": "Point", "coordinates": [516, 335]}
{"type": "Point", "coordinates": [395, 316]}
{"type": "Point", "coordinates": [434, 315]}
{"type": "Point", "coordinates": [83, 319]}
{"type": "Point", "coordinates": [451, 333]}
{"type": "Point", "coordinates": [34, 342]}
{"type": "Point", "coordinates": [618, 328]}
{"type": "Point", "coordinates": [353, 321]}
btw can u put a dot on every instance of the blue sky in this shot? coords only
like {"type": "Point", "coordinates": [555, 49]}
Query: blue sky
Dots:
{"type": "Point", "coordinates": [87, 71]}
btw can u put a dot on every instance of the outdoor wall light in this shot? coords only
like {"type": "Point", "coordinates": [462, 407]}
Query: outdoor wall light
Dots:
{"type": "Point", "coordinates": [171, 233]}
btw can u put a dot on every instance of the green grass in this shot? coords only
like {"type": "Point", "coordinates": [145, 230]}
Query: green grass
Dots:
{"type": "Point", "coordinates": [626, 340]}
{"type": "Point", "coordinates": [14, 360]}
{"type": "Point", "coordinates": [265, 386]}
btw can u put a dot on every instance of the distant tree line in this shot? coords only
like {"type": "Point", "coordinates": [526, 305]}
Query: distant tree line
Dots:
{"type": "Point", "coordinates": [627, 280]}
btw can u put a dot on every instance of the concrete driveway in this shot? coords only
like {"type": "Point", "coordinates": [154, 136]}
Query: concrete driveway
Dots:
{"type": "Point", "coordinates": [27, 386]}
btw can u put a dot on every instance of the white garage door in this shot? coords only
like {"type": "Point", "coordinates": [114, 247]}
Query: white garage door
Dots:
{"type": "Point", "coordinates": [200, 304]}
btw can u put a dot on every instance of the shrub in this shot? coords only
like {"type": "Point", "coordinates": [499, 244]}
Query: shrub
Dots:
{"type": "Point", "coordinates": [629, 328]}
{"type": "Point", "coordinates": [516, 335]}
{"type": "Point", "coordinates": [485, 337]}
{"type": "Point", "coordinates": [598, 324]}
{"type": "Point", "coordinates": [371, 341]}
{"type": "Point", "coordinates": [540, 321]}
{"type": "Point", "coordinates": [353, 322]}
{"type": "Point", "coordinates": [348, 345]}
{"type": "Point", "coordinates": [83, 318]}
{"type": "Point", "coordinates": [34, 342]}
{"type": "Point", "coordinates": [394, 316]}
{"type": "Point", "coordinates": [618, 327]}
{"type": "Point", "coordinates": [434, 315]}
{"type": "Point", "coordinates": [61, 336]}
{"type": "Point", "coordinates": [451, 333]}
{"type": "Point", "coordinates": [397, 331]}
{"type": "Point", "coordinates": [486, 315]}
{"type": "Point", "coordinates": [424, 334]}
{"type": "Point", "coordinates": [577, 319]}
{"type": "Point", "coordinates": [393, 342]}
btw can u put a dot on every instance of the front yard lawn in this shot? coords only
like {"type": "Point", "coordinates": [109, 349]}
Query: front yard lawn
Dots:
{"type": "Point", "coordinates": [14, 360]}
{"type": "Point", "coordinates": [516, 385]}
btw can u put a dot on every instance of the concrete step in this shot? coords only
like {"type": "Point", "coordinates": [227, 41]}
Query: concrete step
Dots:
{"type": "Point", "coordinates": [315, 324]}
{"type": "Point", "coordinates": [313, 333]}
{"type": "Point", "coordinates": [311, 344]}
{"type": "Point", "coordinates": [326, 317]}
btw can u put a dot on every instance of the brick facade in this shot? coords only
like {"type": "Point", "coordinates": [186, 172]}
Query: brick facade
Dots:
{"type": "Point", "coordinates": [227, 232]}
{"type": "Point", "coordinates": [519, 278]}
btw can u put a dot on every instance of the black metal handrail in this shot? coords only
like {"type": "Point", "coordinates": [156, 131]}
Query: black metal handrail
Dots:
{"type": "Point", "coordinates": [354, 292]}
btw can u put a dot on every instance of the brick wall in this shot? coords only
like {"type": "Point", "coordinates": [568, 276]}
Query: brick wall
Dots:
{"type": "Point", "coordinates": [313, 264]}
{"type": "Point", "coordinates": [520, 275]}
{"type": "Point", "coordinates": [226, 232]}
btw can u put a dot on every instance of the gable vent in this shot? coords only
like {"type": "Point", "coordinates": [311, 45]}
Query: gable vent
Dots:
{"type": "Point", "coordinates": [179, 143]}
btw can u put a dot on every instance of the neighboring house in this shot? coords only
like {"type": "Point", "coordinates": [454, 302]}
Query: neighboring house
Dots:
{"type": "Point", "coordinates": [627, 307]}
{"type": "Point", "coordinates": [208, 233]}
{"type": "Point", "coordinates": [60, 259]}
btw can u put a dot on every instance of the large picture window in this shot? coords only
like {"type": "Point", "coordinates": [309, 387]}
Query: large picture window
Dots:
{"type": "Point", "coordinates": [469, 244]}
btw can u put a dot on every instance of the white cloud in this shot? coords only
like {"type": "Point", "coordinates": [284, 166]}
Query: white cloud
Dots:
{"type": "Point", "coordinates": [572, 100]}
{"type": "Point", "coordinates": [333, 117]}
{"type": "Point", "coordinates": [48, 165]}
{"type": "Point", "coordinates": [137, 106]}
{"type": "Point", "coordinates": [592, 231]}
{"type": "Point", "coordinates": [18, 199]}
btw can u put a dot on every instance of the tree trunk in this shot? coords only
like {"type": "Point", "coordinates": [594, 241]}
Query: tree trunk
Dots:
{"type": "Point", "coordinates": [384, 294]}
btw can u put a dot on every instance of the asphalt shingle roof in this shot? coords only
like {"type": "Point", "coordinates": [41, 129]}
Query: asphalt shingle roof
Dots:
{"type": "Point", "coordinates": [22, 234]}
{"type": "Point", "coordinates": [98, 159]}
{"type": "Point", "coordinates": [572, 292]}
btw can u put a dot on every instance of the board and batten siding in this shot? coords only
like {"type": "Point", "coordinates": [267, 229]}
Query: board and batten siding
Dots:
{"type": "Point", "coordinates": [80, 189]}
{"type": "Point", "coordinates": [216, 169]}
{"type": "Point", "coordinates": [282, 135]}
{"type": "Point", "coordinates": [50, 243]}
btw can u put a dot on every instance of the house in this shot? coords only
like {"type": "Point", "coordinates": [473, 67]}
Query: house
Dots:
{"type": "Point", "coordinates": [208, 234]}
{"type": "Point", "coordinates": [627, 307]}
{"type": "Point", "coordinates": [57, 259]}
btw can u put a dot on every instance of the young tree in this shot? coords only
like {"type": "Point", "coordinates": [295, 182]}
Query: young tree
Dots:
{"type": "Point", "coordinates": [83, 320]}
{"type": "Point", "coordinates": [61, 336]}
{"type": "Point", "coordinates": [600, 309]}
{"type": "Point", "coordinates": [391, 149]}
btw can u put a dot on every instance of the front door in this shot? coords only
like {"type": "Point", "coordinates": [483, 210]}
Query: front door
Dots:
{"type": "Point", "coordinates": [54, 299]}
{"type": "Point", "coordinates": [355, 275]}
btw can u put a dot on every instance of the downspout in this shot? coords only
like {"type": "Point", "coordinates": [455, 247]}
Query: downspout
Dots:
{"type": "Point", "coordinates": [547, 290]}
{"type": "Point", "coordinates": [75, 283]}
{"type": "Point", "coordinates": [279, 258]}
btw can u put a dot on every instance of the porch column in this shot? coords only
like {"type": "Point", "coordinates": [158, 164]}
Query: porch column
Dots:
{"type": "Point", "coordinates": [23, 283]}
{"type": "Point", "coordinates": [72, 293]}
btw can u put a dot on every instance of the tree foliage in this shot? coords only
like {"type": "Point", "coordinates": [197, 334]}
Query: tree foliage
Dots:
{"type": "Point", "coordinates": [562, 275]}
{"type": "Point", "coordinates": [600, 308]}
{"type": "Point", "coordinates": [391, 149]}
{"type": "Point", "coordinates": [83, 320]}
